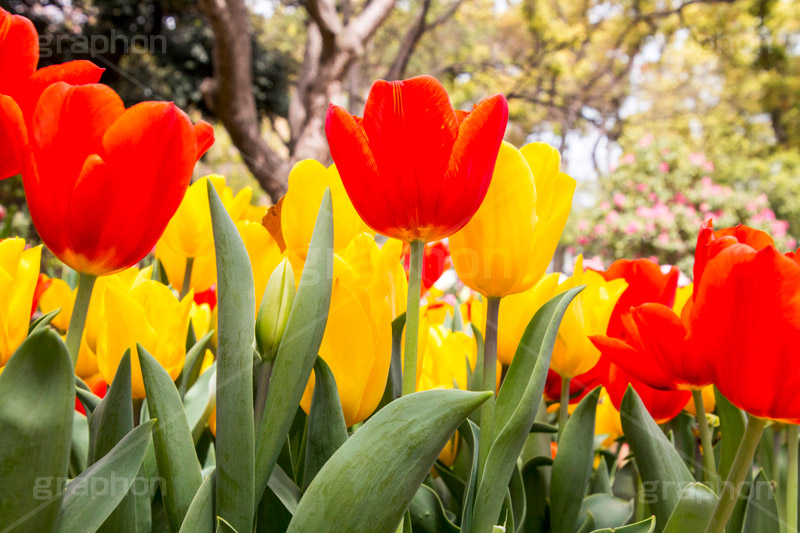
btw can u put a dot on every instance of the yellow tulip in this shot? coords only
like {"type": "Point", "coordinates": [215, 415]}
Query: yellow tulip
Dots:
{"type": "Point", "coordinates": [189, 233]}
{"type": "Point", "coordinates": [357, 345]}
{"type": "Point", "coordinates": [201, 319]}
{"type": "Point", "coordinates": [709, 401]}
{"type": "Point", "coordinates": [587, 315]}
{"type": "Point", "coordinates": [509, 243]}
{"type": "Point", "coordinates": [607, 420]}
{"type": "Point", "coordinates": [308, 180]}
{"type": "Point", "coordinates": [148, 314]}
{"type": "Point", "coordinates": [59, 295]}
{"type": "Point", "coordinates": [682, 296]}
{"type": "Point", "coordinates": [264, 254]}
{"type": "Point", "coordinates": [19, 272]}
{"type": "Point", "coordinates": [517, 310]}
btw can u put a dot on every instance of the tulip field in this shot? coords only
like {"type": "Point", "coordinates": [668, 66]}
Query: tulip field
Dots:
{"type": "Point", "coordinates": [199, 363]}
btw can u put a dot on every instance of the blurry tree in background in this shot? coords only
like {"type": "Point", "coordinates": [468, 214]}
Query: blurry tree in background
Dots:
{"type": "Point", "coordinates": [721, 77]}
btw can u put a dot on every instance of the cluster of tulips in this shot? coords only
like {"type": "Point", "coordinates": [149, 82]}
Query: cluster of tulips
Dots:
{"type": "Point", "coordinates": [210, 365]}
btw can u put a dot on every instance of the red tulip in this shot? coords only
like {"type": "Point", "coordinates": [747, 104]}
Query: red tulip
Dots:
{"type": "Point", "coordinates": [579, 386]}
{"type": "Point", "coordinates": [746, 319]}
{"type": "Point", "coordinates": [646, 283]}
{"type": "Point", "coordinates": [435, 260]}
{"type": "Point", "coordinates": [655, 351]}
{"type": "Point", "coordinates": [662, 405]}
{"type": "Point", "coordinates": [22, 83]}
{"type": "Point", "coordinates": [102, 181]}
{"type": "Point", "coordinates": [415, 168]}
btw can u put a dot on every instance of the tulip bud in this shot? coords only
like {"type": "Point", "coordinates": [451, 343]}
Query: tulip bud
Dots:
{"type": "Point", "coordinates": [274, 310]}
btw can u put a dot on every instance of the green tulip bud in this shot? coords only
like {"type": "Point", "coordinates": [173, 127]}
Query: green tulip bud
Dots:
{"type": "Point", "coordinates": [273, 314]}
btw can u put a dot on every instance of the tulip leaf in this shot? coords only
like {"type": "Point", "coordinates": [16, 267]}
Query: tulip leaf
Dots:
{"type": "Point", "coordinates": [384, 463]}
{"type": "Point", "coordinates": [428, 514]}
{"type": "Point", "coordinates": [200, 515]}
{"type": "Point", "coordinates": [536, 490]}
{"type": "Point", "coordinates": [588, 524]}
{"type": "Point", "coordinates": [109, 423]}
{"type": "Point", "coordinates": [645, 526]}
{"type": "Point", "coordinates": [476, 379]}
{"type": "Point", "coordinates": [516, 407]}
{"type": "Point", "coordinates": [235, 486]}
{"type": "Point", "coordinates": [87, 398]}
{"type": "Point", "coordinates": [43, 320]}
{"type": "Point", "coordinates": [693, 511]}
{"type": "Point", "coordinates": [37, 401]}
{"type": "Point", "coordinates": [732, 422]}
{"type": "Point", "coordinates": [762, 507]}
{"type": "Point", "coordinates": [200, 401]}
{"type": "Point", "coordinates": [600, 482]}
{"type": "Point", "coordinates": [394, 383]}
{"type": "Point", "coordinates": [85, 506]}
{"type": "Point", "coordinates": [79, 450]}
{"type": "Point", "coordinates": [175, 455]}
{"type": "Point", "coordinates": [660, 465]}
{"type": "Point", "coordinates": [470, 432]}
{"type": "Point", "coordinates": [193, 364]}
{"type": "Point", "coordinates": [572, 466]}
{"type": "Point", "coordinates": [607, 511]}
{"type": "Point", "coordinates": [223, 526]}
{"type": "Point", "coordinates": [298, 348]}
{"type": "Point", "coordinates": [516, 490]}
{"type": "Point", "coordinates": [285, 489]}
{"type": "Point", "coordinates": [542, 427]}
{"type": "Point", "coordinates": [327, 430]}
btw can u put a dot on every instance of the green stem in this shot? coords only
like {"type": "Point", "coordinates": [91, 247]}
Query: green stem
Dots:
{"type": "Point", "coordinates": [79, 311]}
{"type": "Point", "coordinates": [489, 381]}
{"type": "Point", "coordinates": [187, 277]}
{"type": "Point", "coordinates": [261, 393]}
{"type": "Point", "coordinates": [563, 406]}
{"type": "Point", "coordinates": [741, 465]}
{"type": "Point", "coordinates": [709, 463]}
{"type": "Point", "coordinates": [791, 481]}
{"type": "Point", "coordinates": [412, 317]}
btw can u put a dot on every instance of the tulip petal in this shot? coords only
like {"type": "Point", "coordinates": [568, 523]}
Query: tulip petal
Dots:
{"type": "Point", "coordinates": [72, 72]}
{"type": "Point", "coordinates": [205, 137]}
{"type": "Point", "coordinates": [19, 50]}
{"type": "Point", "coordinates": [13, 138]}
{"type": "Point", "coordinates": [634, 362]}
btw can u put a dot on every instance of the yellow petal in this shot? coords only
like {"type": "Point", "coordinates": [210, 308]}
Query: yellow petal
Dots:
{"type": "Point", "coordinates": [58, 295]}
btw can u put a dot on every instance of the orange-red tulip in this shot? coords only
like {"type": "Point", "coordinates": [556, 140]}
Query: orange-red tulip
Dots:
{"type": "Point", "coordinates": [415, 168]}
{"type": "Point", "coordinates": [102, 181]}
{"type": "Point", "coordinates": [746, 320]}
{"type": "Point", "coordinates": [22, 84]}
{"type": "Point", "coordinates": [662, 405]}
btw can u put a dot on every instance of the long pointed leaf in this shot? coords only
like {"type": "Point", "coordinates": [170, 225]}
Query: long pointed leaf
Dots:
{"type": "Point", "coordinates": [36, 405]}
{"type": "Point", "coordinates": [693, 511]}
{"type": "Point", "coordinates": [299, 346]}
{"type": "Point", "coordinates": [235, 444]}
{"type": "Point", "coordinates": [200, 516]}
{"type": "Point", "coordinates": [370, 481]}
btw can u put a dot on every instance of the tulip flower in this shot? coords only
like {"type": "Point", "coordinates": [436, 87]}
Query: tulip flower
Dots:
{"type": "Point", "coordinates": [646, 283]}
{"type": "Point", "coordinates": [510, 241]}
{"type": "Point", "coordinates": [274, 310]}
{"type": "Point", "coordinates": [187, 244]}
{"type": "Point", "coordinates": [416, 170]}
{"type": "Point", "coordinates": [90, 161]}
{"type": "Point", "coordinates": [607, 420]}
{"type": "Point", "coordinates": [22, 84]}
{"type": "Point", "coordinates": [662, 405]}
{"type": "Point", "coordinates": [148, 314]}
{"type": "Point", "coordinates": [359, 362]}
{"type": "Point", "coordinates": [308, 180]}
{"type": "Point", "coordinates": [435, 261]}
{"type": "Point", "coordinates": [19, 274]}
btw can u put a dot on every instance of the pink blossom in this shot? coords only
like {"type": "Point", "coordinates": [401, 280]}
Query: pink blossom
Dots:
{"type": "Point", "coordinates": [632, 227]}
{"type": "Point", "coordinates": [706, 182]}
{"type": "Point", "coordinates": [604, 205]}
{"type": "Point", "coordinates": [650, 227]}
{"type": "Point", "coordinates": [2, 213]}
{"type": "Point", "coordinates": [652, 197]}
{"type": "Point", "coordinates": [646, 141]}
{"type": "Point", "coordinates": [708, 166]}
{"type": "Point", "coordinates": [663, 167]}
{"type": "Point", "coordinates": [583, 225]}
{"type": "Point", "coordinates": [619, 199]}
{"type": "Point", "coordinates": [791, 243]}
{"type": "Point", "coordinates": [704, 207]}
{"type": "Point", "coordinates": [612, 217]}
{"type": "Point", "coordinates": [599, 229]}
{"type": "Point", "coordinates": [697, 158]}
{"type": "Point", "coordinates": [583, 241]}
{"type": "Point", "coordinates": [628, 159]}
{"type": "Point", "coordinates": [593, 263]}
{"type": "Point", "coordinates": [679, 198]}
{"type": "Point", "coordinates": [779, 228]}
{"type": "Point", "coordinates": [663, 238]}
{"type": "Point", "coordinates": [643, 211]}
{"type": "Point", "coordinates": [751, 207]}
{"type": "Point", "coordinates": [641, 187]}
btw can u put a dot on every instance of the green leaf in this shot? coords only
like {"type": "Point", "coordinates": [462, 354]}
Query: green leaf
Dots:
{"type": "Point", "coordinates": [732, 421]}
{"type": "Point", "coordinates": [536, 490]}
{"type": "Point", "coordinates": [235, 487]}
{"type": "Point", "coordinates": [470, 432]}
{"type": "Point", "coordinates": [516, 407]}
{"type": "Point", "coordinates": [383, 463]}
{"type": "Point", "coordinates": [476, 379]}
{"type": "Point", "coordinates": [193, 364]}
{"type": "Point", "coordinates": [79, 451]}
{"type": "Point", "coordinates": [91, 497]}
{"type": "Point", "coordinates": [175, 456]}
{"type": "Point", "coordinates": [86, 396]}
{"type": "Point", "coordinates": [428, 514]}
{"type": "Point", "coordinates": [664, 474]}
{"type": "Point", "coordinates": [200, 401]}
{"type": "Point", "coordinates": [541, 427]}
{"type": "Point", "coordinates": [223, 526]}
{"type": "Point", "coordinates": [299, 346]}
{"type": "Point", "coordinates": [600, 482]}
{"type": "Point", "coordinates": [394, 383]}
{"type": "Point", "coordinates": [43, 320]}
{"type": "Point", "coordinates": [694, 509]}
{"type": "Point", "coordinates": [37, 401]}
{"type": "Point", "coordinates": [327, 430]}
{"type": "Point", "coordinates": [607, 511]}
{"type": "Point", "coordinates": [762, 507]}
{"type": "Point", "coordinates": [200, 515]}
{"type": "Point", "coordinates": [109, 423]}
{"type": "Point", "coordinates": [516, 490]}
{"type": "Point", "coordinates": [284, 489]}
{"type": "Point", "coordinates": [645, 526]}
{"type": "Point", "coordinates": [572, 466]}
{"type": "Point", "coordinates": [588, 524]}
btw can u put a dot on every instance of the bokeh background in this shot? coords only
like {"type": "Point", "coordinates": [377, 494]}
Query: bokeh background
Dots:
{"type": "Point", "coordinates": [666, 112]}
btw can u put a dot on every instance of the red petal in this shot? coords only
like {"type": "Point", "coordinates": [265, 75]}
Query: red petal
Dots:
{"type": "Point", "coordinates": [204, 133]}
{"type": "Point", "coordinates": [662, 405]}
{"type": "Point", "coordinates": [640, 364]}
{"type": "Point", "coordinates": [13, 138]}
{"type": "Point", "coordinates": [72, 72]}
{"type": "Point", "coordinates": [19, 51]}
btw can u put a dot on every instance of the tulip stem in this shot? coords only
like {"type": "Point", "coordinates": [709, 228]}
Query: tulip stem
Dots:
{"type": "Point", "coordinates": [733, 485]}
{"type": "Point", "coordinates": [489, 381]}
{"type": "Point", "coordinates": [709, 463]}
{"type": "Point", "coordinates": [791, 481]}
{"type": "Point", "coordinates": [563, 406]}
{"type": "Point", "coordinates": [79, 311]}
{"type": "Point", "coordinates": [412, 317]}
{"type": "Point", "coordinates": [187, 277]}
